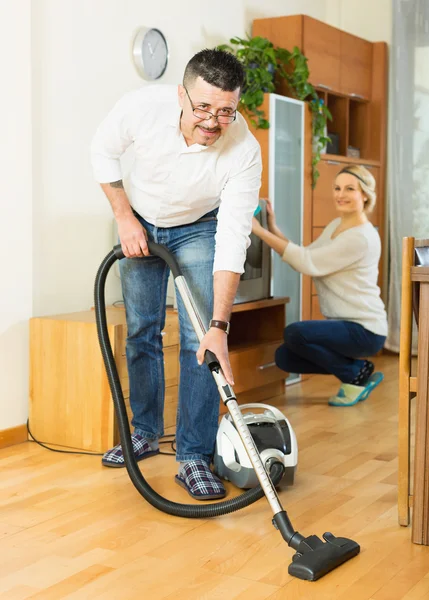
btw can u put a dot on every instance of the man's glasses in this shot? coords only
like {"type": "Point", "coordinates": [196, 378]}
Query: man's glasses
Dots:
{"type": "Point", "coordinates": [206, 115]}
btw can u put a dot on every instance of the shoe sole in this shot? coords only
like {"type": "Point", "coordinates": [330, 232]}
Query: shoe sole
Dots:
{"type": "Point", "coordinates": [205, 497]}
{"type": "Point", "coordinates": [374, 380]}
{"type": "Point", "coordinates": [113, 465]}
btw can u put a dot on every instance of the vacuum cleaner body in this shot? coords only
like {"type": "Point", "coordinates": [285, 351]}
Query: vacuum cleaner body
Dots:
{"type": "Point", "coordinates": [273, 436]}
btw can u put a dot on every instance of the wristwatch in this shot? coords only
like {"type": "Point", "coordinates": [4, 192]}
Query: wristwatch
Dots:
{"type": "Point", "coordinates": [224, 325]}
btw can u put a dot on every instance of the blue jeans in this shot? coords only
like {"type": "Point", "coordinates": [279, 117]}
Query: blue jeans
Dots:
{"type": "Point", "coordinates": [327, 347]}
{"type": "Point", "coordinates": [144, 284]}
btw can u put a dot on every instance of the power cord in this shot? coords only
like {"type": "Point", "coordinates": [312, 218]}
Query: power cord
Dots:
{"type": "Point", "coordinates": [163, 440]}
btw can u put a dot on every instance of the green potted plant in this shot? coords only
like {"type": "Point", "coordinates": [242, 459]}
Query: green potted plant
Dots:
{"type": "Point", "coordinates": [263, 63]}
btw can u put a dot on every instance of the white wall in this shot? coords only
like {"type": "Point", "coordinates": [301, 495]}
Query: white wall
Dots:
{"type": "Point", "coordinates": [81, 65]}
{"type": "Point", "coordinates": [16, 209]}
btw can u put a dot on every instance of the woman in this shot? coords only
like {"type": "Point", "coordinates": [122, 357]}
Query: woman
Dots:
{"type": "Point", "coordinates": [343, 263]}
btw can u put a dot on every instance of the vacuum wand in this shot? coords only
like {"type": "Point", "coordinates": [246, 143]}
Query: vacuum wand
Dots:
{"type": "Point", "coordinates": [314, 557]}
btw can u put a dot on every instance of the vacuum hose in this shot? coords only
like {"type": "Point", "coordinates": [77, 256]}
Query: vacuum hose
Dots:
{"type": "Point", "coordinates": [173, 508]}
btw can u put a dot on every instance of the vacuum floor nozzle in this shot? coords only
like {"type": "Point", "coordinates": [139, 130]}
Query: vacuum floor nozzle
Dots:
{"type": "Point", "coordinates": [315, 558]}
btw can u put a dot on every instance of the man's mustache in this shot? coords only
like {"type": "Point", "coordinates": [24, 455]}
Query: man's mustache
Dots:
{"type": "Point", "coordinates": [207, 129]}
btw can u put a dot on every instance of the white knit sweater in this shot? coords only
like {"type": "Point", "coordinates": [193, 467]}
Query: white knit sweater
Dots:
{"type": "Point", "coordinates": [345, 273]}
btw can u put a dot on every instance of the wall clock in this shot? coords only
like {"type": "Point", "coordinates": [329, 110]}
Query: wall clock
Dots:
{"type": "Point", "coordinates": [150, 53]}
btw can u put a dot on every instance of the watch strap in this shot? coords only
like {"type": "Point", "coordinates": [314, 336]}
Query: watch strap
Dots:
{"type": "Point", "coordinates": [224, 325]}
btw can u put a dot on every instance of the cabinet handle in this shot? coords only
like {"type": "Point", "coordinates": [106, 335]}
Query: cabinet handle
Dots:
{"type": "Point", "coordinates": [323, 86]}
{"type": "Point", "coordinates": [266, 366]}
{"type": "Point", "coordinates": [333, 162]}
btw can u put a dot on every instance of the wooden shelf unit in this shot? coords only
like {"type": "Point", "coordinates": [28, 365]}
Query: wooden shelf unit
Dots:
{"type": "Point", "coordinates": [350, 75]}
{"type": "Point", "coordinates": [70, 400]}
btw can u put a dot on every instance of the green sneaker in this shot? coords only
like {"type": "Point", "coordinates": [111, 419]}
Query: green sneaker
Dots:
{"type": "Point", "coordinates": [349, 394]}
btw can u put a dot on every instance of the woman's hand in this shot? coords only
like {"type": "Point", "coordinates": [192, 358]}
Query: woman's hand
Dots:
{"type": "Point", "coordinates": [256, 226]}
{"type": "Point", "coordinates": [271, 218]}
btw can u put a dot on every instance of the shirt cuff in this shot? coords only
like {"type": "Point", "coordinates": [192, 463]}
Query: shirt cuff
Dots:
{"type": "Point", "coordinates": [293, 254]}
{"type": "Point", "coordinates": [228, 263]}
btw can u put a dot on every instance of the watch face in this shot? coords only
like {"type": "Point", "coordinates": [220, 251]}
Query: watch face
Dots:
{"type": "Point", "coordinates": [150, 53]}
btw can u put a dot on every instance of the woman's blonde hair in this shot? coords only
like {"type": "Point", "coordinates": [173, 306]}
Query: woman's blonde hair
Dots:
{"type": "Point", "coordinates": [367, 184]}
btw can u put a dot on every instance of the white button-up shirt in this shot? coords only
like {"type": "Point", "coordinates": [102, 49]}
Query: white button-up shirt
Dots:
{"type": "Point", "coordinates": [175, 184]}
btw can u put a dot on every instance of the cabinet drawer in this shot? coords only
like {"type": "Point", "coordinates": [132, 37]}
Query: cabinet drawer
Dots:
{"type": "Point", "coordinates": [255, 366]}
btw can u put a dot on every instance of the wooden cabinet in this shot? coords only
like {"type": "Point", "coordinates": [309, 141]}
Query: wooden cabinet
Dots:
{"type": "Point", "coordinates": [355, 66]}
{"type": "Point", "coordinates": [338, 61]}
{"type": "Point", "coordinates": [256, 333]}
{"type": "Point", "coordinates": [70, 400]}
{"type": "Point", "coordinates": [321, 45]}
{"type": "Point", "coordinates": [350, 75]}
{"type": "Point", "coordinates": [349, 72]}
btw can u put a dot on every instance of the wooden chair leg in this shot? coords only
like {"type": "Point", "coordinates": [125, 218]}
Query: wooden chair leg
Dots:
{"type": "Point", "coordinates": [404, 463]}
{"type": "Point", "coordinates": [405, 340]}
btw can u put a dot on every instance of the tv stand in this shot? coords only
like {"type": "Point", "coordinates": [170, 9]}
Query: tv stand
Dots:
{"type": "Point", "coordinates": [70, 400]}
{"type": "Point", "coordinates": [256, 333]}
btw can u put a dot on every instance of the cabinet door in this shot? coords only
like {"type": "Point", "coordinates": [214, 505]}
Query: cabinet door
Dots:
{"type": "Point", "coordinates": [323, 199]}
{"type": "Point", "coordinates": [286, 187]}
{"type": "Point", "coordinates": [321, 45]}
{"type": "Point", "coordinates": [355, 66]}
{"type": "Point", "coordinates": [286, 183]}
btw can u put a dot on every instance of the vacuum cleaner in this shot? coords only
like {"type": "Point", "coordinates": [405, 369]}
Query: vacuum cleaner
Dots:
{"type": "Point", "coordinates": [274, 438]}
{"type": "Point", "coordinates": [313, 557]}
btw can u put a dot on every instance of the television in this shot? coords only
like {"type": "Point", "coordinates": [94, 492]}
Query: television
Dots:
{"type": "Point", "coordinates": [255, 282]}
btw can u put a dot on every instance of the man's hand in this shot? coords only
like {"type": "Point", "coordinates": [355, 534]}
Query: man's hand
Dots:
{"type": "Point", "coordinates": [133, 236]}
{"type": "Point", "coordinates": [216, 340]}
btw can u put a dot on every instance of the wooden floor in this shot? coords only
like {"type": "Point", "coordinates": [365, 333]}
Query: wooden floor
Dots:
{"type": "Point", "coordinates": [70, 529]}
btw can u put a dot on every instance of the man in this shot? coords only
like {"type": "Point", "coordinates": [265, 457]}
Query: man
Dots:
{"type": "Point", "coordinates": [194, 187]}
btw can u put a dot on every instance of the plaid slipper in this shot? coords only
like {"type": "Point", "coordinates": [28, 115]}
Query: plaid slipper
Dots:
{"type": "Point", "coordinates": [349, 394]}
{"type": "Point", "coordinates": [115, 457]}
{"type": "Point", "coordinates": [200, 483]}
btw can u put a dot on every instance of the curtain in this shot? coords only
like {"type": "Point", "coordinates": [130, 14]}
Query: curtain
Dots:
{"type": "Point", "coordinates": [408, 143]}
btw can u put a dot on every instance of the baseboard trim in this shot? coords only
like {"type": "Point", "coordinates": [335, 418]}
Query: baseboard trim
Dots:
{"type": "Point", "coordinates": [12, 436]}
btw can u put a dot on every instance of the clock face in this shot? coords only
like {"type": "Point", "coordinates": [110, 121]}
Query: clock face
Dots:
{"type": "Point", "coordinates": [150, 52]}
